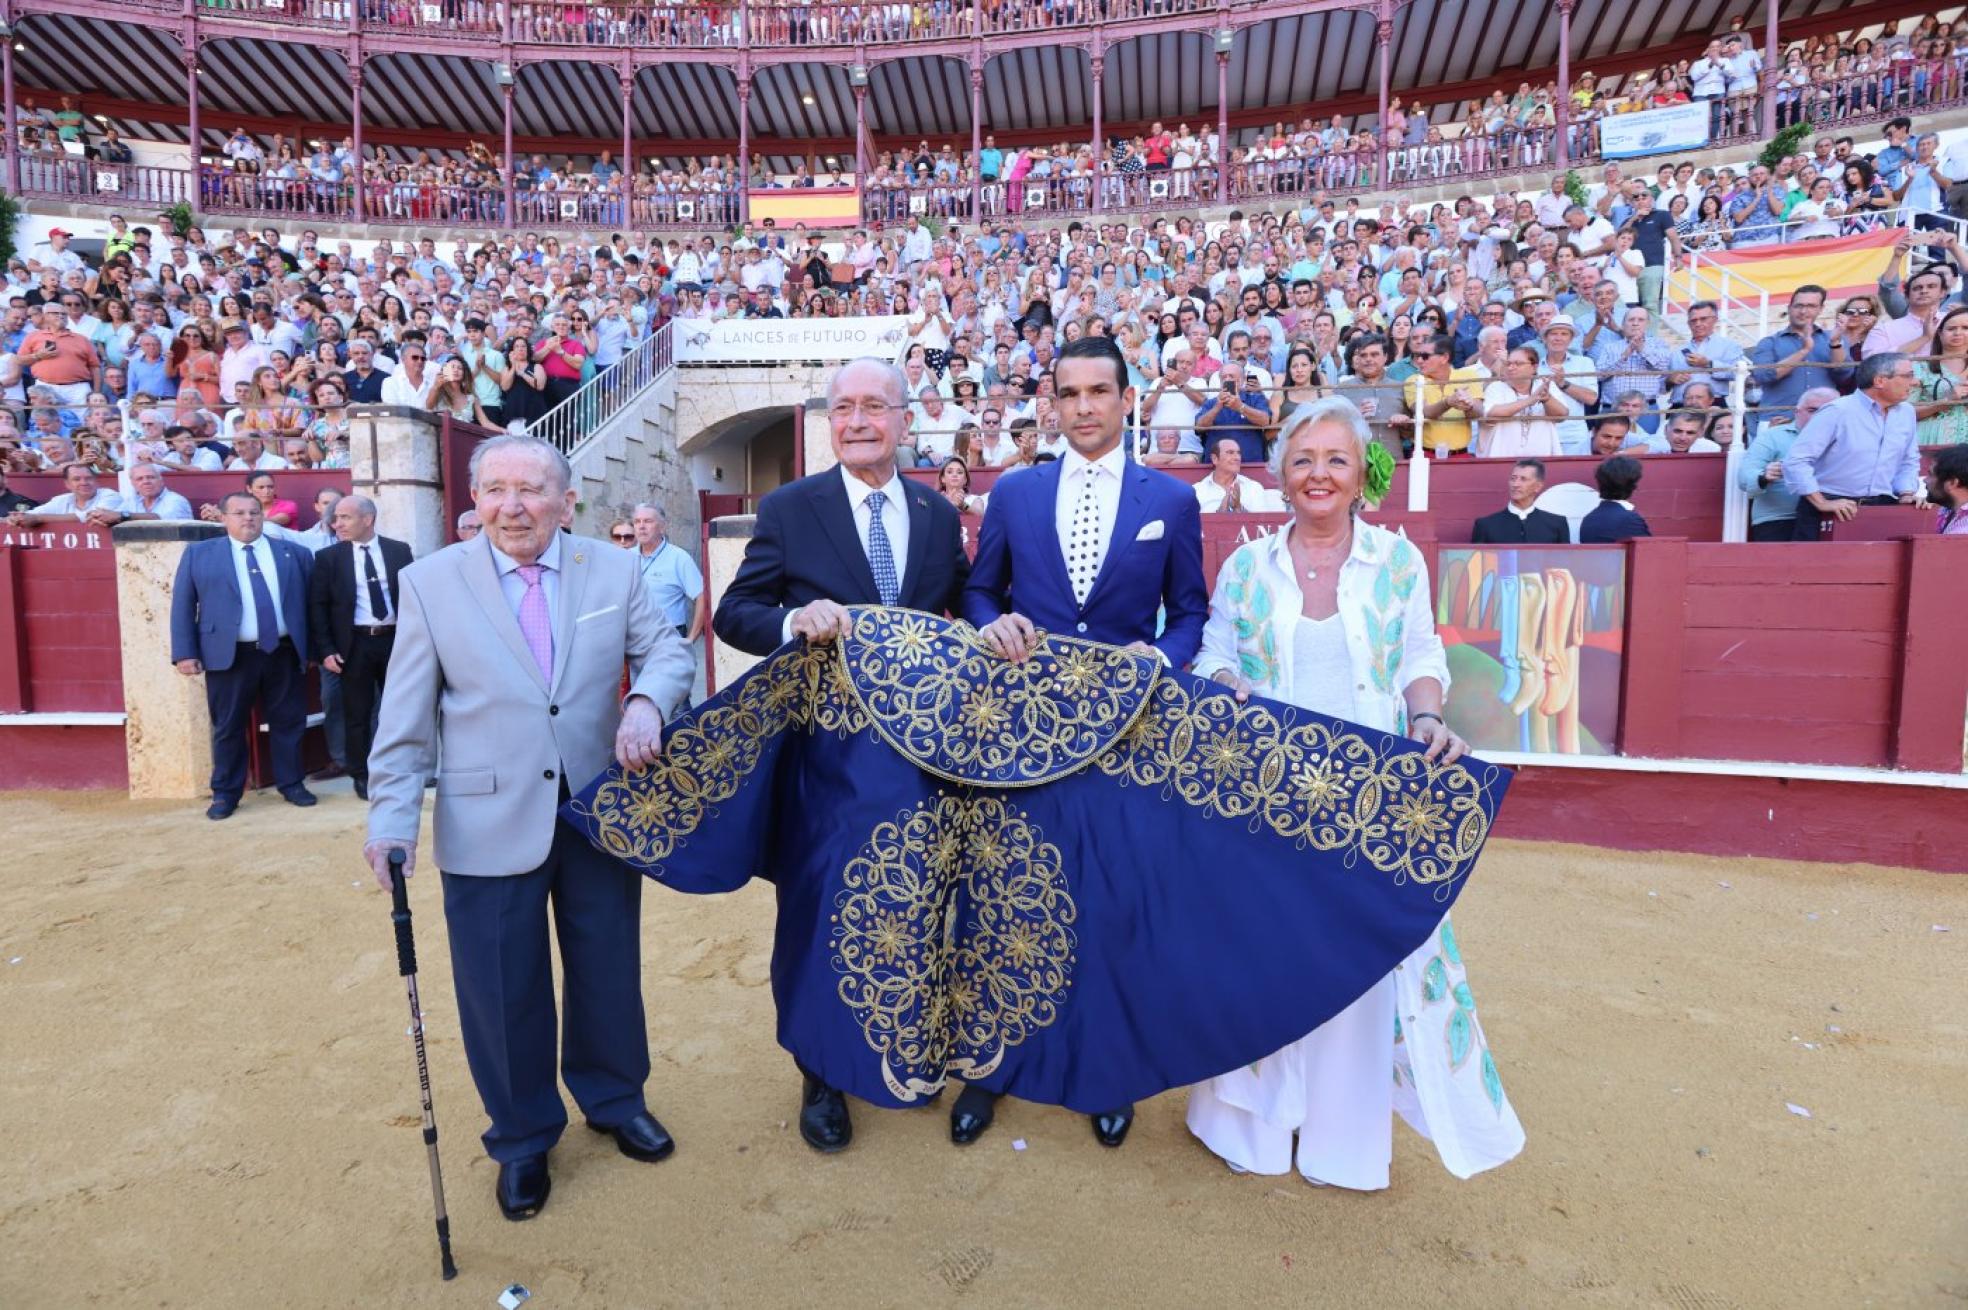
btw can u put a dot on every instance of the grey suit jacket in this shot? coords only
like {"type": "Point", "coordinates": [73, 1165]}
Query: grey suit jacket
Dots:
{"type": "Point", "coordinates": [463, 688]}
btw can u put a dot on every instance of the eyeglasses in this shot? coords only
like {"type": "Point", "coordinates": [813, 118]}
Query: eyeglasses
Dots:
{"type": "Point", "coordinates": [621, 536]}
{"type": "Point", "coordinates": [1866, 310]}
{"type": "Point", "coordinates": [873, 410]}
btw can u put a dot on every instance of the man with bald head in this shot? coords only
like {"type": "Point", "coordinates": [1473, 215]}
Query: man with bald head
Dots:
{"type": "Point", "coordinates": [855, 534]}
{"type": "Point", "coordinates": [504, 684]}
{"type": "Point", "coordinates": [352, 620]}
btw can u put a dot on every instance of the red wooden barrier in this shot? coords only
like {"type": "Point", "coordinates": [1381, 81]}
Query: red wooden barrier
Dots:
{"type": "Point", "coordinates": [59, 650]}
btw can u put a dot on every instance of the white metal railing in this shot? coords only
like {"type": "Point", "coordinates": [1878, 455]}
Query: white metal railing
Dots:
{"type": "Point", "coordinates": [571, 423]}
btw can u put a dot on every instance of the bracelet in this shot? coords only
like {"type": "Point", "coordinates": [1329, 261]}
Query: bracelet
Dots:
{"type": "Point", "coordinates": [1426, 714]}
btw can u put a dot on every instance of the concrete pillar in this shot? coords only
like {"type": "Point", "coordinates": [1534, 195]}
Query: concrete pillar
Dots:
{"type": "Point", "coordinates": [1222, 127]}
{"type": "Point", "coordinates": [505, 98]}
{"type": "Point", "coordinates": [1770, 68]}
{"type": "Point", "coordinates": [394, 460]}
{"type": "Point", "coordinates": [13, 118]}
{"type": "Point", "coordinates": [1099, 153]}
{"type": "Point", "coordinates": [1564, 105]}
{"type": "Point", "coordinates": [1383, 47]}
{"type": "Point", "coordinates": [167, 729]}
{"type": "Point", "coordinates": [722, 556]}
{"type": "Point", "coordinates": [355, 132]}
{"type": "Point", "coordinates": [745, 142]}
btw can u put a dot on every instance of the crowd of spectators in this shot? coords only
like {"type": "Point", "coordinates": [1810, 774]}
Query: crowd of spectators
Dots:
{"type": "Point", "coordinates": [245, 351]}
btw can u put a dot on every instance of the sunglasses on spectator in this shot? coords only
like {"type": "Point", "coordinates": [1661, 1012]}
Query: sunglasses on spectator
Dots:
{"type": "Point", "coordinates": [622, 536]}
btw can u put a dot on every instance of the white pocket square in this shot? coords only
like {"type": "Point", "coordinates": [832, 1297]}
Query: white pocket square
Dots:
{"type": "Point", "coordinates": [1153, 532]}
{"type": "Point", "coordinates": [595, 614]}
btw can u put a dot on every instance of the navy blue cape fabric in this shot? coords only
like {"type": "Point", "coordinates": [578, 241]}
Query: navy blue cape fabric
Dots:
{"type": "Point", "coordinates": [1082, 880]}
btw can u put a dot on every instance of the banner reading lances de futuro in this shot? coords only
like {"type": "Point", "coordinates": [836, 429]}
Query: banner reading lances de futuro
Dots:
{"type": "Point", "coordinates": [789, 340]}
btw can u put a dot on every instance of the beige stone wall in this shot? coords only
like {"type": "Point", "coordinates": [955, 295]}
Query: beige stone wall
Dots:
{"type": "Point", "coordinates": [726, 551]}
{"type": "Point", "coordinates": [167, 729]}
{"type": "Point", "coordinates": [394, 460]}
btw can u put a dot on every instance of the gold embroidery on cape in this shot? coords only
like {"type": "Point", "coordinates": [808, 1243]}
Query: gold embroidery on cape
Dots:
{"type": "Point", "coordinates": [1326, 789]}
{"type": "Point", "coordinates": [933, 692]}
{"type": "Point", "coordinates": [642, 817]}
{"type": "Point", "coordinates": [952, 934]}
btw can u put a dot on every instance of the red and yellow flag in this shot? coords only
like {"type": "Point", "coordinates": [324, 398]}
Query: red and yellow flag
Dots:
{"type": "Point", "coordinates": [1843, 266]}
{"type": "Point", "coordinates": [813, 206]}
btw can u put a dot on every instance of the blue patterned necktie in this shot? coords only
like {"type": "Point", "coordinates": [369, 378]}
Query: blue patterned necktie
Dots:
{"type": "Point", "coordinates": [262, 604]}
{"type": "Point", "coordinates": [881, 556]}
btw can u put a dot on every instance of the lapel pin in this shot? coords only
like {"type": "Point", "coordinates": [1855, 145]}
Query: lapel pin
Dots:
{"type": "Point", "coordinates": [580, 559]}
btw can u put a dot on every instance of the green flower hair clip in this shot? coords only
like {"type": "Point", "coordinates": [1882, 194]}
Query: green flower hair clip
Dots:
{"type": "Point", "coordinates": [1380, 474]}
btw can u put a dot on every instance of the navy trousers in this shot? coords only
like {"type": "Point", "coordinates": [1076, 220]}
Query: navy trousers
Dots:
{"type": "Point", "coordinates": [503, 969]}
{"type": "Point", "coordinates": [275, 683]}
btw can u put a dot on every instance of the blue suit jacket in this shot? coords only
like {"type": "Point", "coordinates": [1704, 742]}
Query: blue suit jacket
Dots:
{"type": "Point", "coordinates": [1020, 567]}
{"type": "Point", "coordinates": [206, 605]}
{"type": "Point", "coordinates": [1611, 522]}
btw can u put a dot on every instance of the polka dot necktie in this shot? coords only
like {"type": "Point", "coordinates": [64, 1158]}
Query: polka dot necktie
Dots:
{"type": "Point", "coordinates": [1086, 548]}
{"type": "Point", "coordinates": [881, 555]}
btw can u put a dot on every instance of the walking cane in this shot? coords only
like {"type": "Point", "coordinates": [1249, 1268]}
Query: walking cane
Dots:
{"type": "Point", "coordinates": [406, 964]}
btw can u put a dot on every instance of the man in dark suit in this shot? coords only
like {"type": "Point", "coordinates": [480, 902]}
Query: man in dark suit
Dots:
{"type": "Point", "coordinates": [1614, 519]}
{"type": "Point", "coordinates": [1093, 546]}
{"type": "Point", "coordinates": [853, 535]}
{"type": "Point", "coordinates": [352, 621]}
{"type": "Point", "coordinates": [239, 616]}
{"type": "Point", "coordinates": [1521, 523]}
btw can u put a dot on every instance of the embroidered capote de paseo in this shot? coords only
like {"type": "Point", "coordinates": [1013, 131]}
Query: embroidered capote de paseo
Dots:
{"type": "Point", "coordinates": [1080, 880]}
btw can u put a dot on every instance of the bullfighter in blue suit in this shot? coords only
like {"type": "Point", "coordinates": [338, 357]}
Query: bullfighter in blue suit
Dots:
{"type": "Point", "coordinates": [1094, 546]}
{"type": "Point", "coordinates": [239, 616]}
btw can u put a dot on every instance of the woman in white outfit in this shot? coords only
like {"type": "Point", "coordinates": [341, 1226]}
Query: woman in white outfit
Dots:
{"type": "Point", "coordinates": [1334, 614]}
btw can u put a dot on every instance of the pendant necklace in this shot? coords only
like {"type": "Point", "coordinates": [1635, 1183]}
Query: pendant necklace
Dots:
{"type": "Point", "coordinates": [1312, 573]}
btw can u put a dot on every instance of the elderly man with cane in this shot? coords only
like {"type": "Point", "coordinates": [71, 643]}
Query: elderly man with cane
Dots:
{"type": "Point", "coordinates": [508, 657]}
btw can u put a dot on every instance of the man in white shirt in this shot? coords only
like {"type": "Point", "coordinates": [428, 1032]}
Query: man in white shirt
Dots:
{"type": "Point", "coordinates": [1552, 204]}
{"type": "Point", "coordinates": [410, 385]}
{"type": "Point", "coordinates": [83, 502]}
{"type": "Point", "coordinates": [1226, 490]}
{"type": "Point", "coordinates": [250, 455]}
{"type": "Point", "coordinates": [186, 455]}
{"type": "Point", "coordinates": [150, 499]}
{"type": "Point", "coordinates": [1175, 400]}
{"type": "Point", "coordinates": [933, 422]}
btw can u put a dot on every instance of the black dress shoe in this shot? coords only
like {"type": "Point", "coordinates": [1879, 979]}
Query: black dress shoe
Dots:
{"type": "Point", "coordinates": [640, 1138]}
{"type": "Point", "coordinates": [362, 789]}
{"type": "Point", "coordinates": [221, 809]}
{"type": "Point", "coordinates": [1111, 1129]}
{"type": "Point", "coordinates": [972, 1114]}
{"type": "Point", "coordinates": [523, 1187]}
{"type": "Point", "coordinates": [823, 1118]}
{"type": "Point", "coordinates": [297, 795]}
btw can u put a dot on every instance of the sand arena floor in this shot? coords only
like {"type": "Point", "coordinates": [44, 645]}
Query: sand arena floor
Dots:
{"type": "Point", "coordinates": [209, 1100]}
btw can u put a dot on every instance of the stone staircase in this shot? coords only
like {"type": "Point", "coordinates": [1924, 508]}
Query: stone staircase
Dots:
{"type": "Point", "coordinates": [633, 458]}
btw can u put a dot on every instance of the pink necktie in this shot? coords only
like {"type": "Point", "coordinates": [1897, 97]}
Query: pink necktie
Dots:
{"type": "Point", "coordinates": [534, 623]}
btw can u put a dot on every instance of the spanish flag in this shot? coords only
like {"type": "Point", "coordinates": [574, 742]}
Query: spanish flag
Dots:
{"type": "Point", "coordinates": [813, 206]}
{"type": "Point", "coordinates": [1843, 266]}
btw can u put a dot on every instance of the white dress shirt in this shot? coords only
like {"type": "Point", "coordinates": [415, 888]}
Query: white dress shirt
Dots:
{"type": "Point", "coordinates": [1075, 470]}
{"type": "Point", "coordinates": [249, 618]}
{"type": "Point", "coordinates": [1252, 496]}
{"type": "Point", "coordinates": [895, 515]}
{"type": "Point", "coordinates": [895, 518]}
{"type": "Point", "coordinates": [398, 389]}
{"type": "Point", "coordinates": [372, 551]}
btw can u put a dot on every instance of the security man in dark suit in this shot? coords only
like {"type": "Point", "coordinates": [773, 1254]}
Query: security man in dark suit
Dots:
{"type": "Point", "coordinates": [1521, 524]}
{"type": "Point", "coordinates": [858, 534]}
{"type": "Point", "coordinates": [239, 616]}
{"type": "Point", "coordinates": [352, 621]}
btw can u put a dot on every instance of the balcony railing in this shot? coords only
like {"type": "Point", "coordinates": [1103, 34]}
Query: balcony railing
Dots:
{"type": "Point", "coordinates": [708, 24]}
